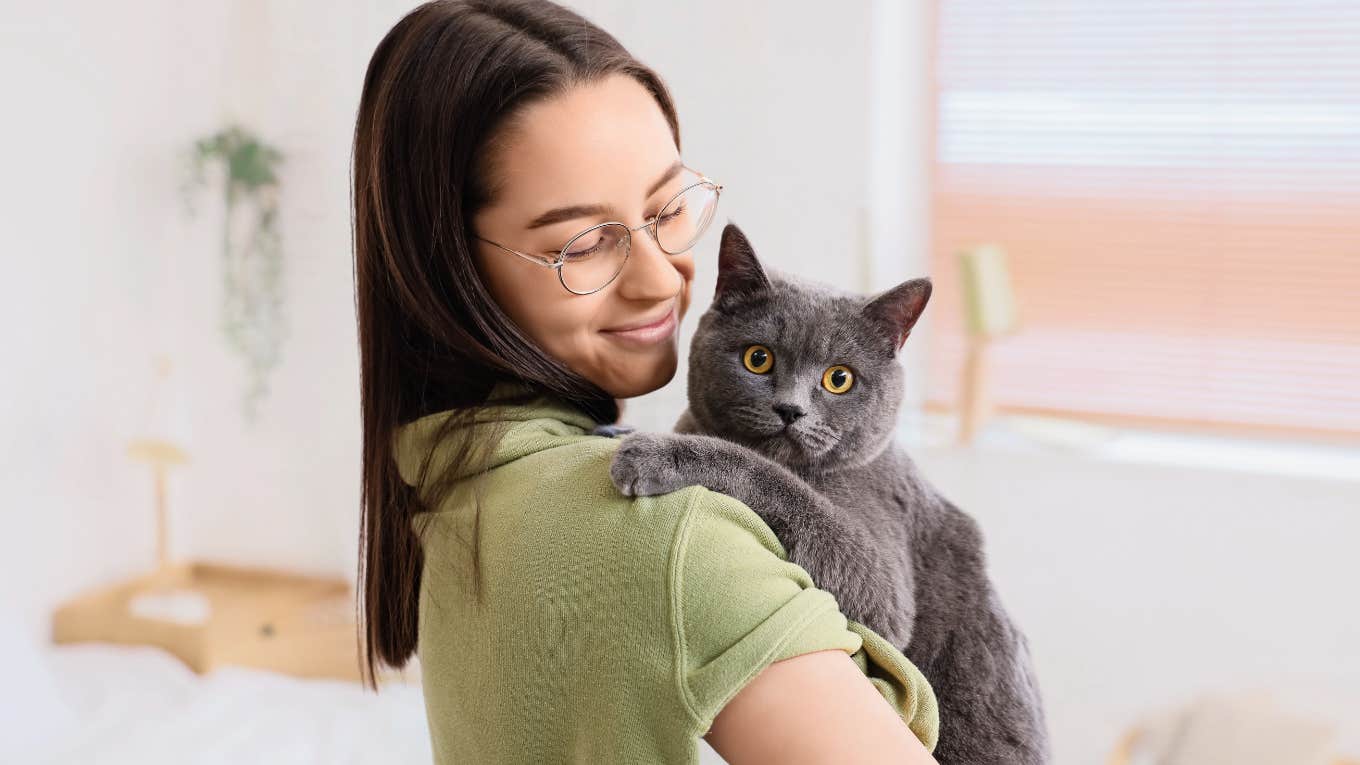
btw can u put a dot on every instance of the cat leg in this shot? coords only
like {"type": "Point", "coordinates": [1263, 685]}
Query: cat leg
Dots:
{"type": "Point", "coordinates": [990, 709]}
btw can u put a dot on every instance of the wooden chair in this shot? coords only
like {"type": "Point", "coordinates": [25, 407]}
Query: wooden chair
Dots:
{"type": "Point", "coordinates": [989, 314]}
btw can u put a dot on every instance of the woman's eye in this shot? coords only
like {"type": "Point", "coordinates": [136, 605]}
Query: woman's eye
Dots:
{"type": "Point", "coordinates": [579, 251]}
{"type": "Point", "coordinates": [672, 215]}
{"type": "Point", "coordinates": [758, 359]}
{"type": "Point", "coordinates": [838, 379]}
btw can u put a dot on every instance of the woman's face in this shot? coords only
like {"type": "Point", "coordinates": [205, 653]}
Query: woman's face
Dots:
{"type": "Point", "coordinates": [603, 145]}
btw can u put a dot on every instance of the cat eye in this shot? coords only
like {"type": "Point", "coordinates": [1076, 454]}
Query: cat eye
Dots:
{"type": "Point", "coordinates": [838, 379]}
{"type": "Point", "coordinates": [758, 359]}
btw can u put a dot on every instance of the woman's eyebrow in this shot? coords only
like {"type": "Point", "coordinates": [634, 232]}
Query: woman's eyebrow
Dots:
{"type": "Point", "coordinates": [670, 173]}
{"type": "Point", "coordinates": [559, 214]}
{"type": "Point", "coordinates": [570, 212]}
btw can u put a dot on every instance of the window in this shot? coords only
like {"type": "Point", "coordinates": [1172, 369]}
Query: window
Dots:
{"type": "Point", "coordinates": [1177, 186]}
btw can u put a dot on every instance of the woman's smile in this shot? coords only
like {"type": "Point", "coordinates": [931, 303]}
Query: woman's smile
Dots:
{"type": "Point", "coordinates": [644, 332]}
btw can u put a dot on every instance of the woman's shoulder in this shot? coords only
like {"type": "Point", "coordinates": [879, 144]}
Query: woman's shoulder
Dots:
{"type": "Point", "coordinates": [557, 508]}
{"type": "Point", "coordinates": [578, 476]}
{"type": "Point", "coordinates": [569, 490]}
{"type": "Point", "coordinates": [582, 466]}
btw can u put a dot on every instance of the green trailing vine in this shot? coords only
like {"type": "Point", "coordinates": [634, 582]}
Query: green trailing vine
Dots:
{"type": "Point", "coordinates": [252, 253]}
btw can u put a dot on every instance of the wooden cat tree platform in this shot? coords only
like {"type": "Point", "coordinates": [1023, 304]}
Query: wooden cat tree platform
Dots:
{"type": "Point", "coordinates": [212, 615]}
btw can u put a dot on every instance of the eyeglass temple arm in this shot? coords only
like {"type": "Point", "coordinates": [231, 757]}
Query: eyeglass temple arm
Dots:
{"type": "Point", "coordinates": [531, 258]}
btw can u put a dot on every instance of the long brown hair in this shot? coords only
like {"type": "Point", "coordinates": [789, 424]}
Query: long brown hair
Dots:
{"type": "Point", "coordinates": [431, 338]}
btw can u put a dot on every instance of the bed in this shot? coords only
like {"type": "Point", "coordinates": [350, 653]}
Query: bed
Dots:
{"type": "Point", "coordinates": [104, 703]}
{"type": "Point", "coordinates": [113, 704]}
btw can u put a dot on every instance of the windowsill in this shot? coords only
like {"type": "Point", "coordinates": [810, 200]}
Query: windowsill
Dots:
{"type": "Point", "coordinates": [1035, 434]}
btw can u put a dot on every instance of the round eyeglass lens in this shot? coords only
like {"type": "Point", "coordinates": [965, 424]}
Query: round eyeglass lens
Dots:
{"type": "Point", "coordinates": [686, 217]}
{"type": "Point", "coordinates": [594, 257]}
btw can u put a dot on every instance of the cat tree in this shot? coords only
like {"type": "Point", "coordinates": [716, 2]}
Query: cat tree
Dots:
{"type": "Point", "coordinates": [210, 614]}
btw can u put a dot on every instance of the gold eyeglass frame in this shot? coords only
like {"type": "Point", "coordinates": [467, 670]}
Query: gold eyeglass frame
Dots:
{"type": "Point", "coordinates": [557, 262]}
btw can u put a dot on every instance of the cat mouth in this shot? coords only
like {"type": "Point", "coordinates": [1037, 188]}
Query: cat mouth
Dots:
{"type": "Point", "coordinates": [787, 434]}
{"type": "Point", "coordinates": [808, 444]}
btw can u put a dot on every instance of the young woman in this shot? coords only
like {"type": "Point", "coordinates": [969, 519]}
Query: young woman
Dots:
{"type": "Point", "coordinates": [524, 230]}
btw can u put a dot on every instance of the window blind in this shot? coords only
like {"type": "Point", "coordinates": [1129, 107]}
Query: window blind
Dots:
{"type": "Point", "coordinates": [1177, 186]}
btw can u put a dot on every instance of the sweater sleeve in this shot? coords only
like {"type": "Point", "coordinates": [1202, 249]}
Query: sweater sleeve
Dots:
{"type": "Point", "coordinates": [740, 605]}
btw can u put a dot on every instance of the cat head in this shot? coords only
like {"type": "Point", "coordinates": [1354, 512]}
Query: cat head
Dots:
{"type": "Point", "coordinates": [805, 374]}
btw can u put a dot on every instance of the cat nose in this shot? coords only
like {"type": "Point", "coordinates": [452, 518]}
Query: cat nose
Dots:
{"type": "Point", "coordinates": [789, 412]}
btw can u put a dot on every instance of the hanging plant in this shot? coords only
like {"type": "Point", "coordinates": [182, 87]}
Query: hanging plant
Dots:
{"type": "Point", "coordinates": [252, 255]}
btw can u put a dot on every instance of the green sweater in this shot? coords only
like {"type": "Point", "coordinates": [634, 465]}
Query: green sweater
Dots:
{"type": "Point", "coordinates": [612, 629]}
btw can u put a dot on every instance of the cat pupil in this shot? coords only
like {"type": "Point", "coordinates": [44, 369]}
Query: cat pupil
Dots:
{"type": "Point", "coordinates": [838, 378]}
{"type": "Point", "coordinates": [758, 358]}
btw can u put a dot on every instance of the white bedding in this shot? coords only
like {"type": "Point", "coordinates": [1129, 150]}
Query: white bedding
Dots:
{"type": "Point", "coordinates": [110, 704]}
{"type": "Point", "coordinates": [103, 704]}
{"type": "Point", "coordinates": [107, 704]}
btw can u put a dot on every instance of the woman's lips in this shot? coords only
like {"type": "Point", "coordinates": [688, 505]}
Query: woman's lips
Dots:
{"type": "Point", "coordinates": [646, 334]}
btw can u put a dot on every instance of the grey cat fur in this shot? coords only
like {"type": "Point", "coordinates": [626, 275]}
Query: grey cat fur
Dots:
{"type": "Point", "coordinates": [846, 502]}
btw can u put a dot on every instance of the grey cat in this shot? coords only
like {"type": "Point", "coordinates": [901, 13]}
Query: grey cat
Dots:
{"type": "Point", "coordinates": [793, 398]}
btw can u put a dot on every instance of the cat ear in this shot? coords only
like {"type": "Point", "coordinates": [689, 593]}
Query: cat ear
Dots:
{"type": "Point", "coordinates": [738, 269]}
{"type": "Point", "coordinates": [897, 309]}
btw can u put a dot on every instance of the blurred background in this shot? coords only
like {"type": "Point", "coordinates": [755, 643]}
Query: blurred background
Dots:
{"type": "Point", "coordinates": [1138, 369]}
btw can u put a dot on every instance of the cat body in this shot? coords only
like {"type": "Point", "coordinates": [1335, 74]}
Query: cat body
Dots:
{"type": "Point", "coordinates": [794, 391]}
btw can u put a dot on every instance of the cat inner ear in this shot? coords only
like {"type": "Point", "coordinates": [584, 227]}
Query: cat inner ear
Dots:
{"type": "Point", "coordinates": [896, 310]}
{"type": "Point", "coordinates": [739, 272]}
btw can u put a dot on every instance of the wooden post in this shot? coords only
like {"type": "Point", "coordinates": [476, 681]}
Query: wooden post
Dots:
{"type": "Point", "coordinates": [989, 313]}
{"type": "Point", "coordinates": [160, 455]}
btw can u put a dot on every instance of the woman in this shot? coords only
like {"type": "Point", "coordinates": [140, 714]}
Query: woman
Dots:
{"type": "Point", "coordinates": [500, 323]}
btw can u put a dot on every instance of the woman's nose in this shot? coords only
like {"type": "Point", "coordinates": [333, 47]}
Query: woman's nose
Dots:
{"type": "Point", "coordinates": [649, 273]}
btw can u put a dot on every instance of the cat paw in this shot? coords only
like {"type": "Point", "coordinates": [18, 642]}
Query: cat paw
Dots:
{"type": "Point", "coordinates": [647, 464]}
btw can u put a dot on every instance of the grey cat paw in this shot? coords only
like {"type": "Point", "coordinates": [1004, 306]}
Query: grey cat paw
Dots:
{"type": "Point", "coordinates": [612, 430]}
{"type": "Point", "coordinates": [647, 464]}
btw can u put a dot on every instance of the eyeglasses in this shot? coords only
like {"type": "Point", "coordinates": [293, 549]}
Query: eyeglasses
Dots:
{"type": "Point", "coordinates": [591, 259]}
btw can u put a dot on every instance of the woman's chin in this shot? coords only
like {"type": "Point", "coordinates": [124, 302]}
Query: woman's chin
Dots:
{"type": "Point", "coordinates": [642, 379]}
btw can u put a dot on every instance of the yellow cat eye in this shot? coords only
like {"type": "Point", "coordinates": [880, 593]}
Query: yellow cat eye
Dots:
{"type": "Point", "coordinates": [838, 379]}
{"type": "Point", "coordinates": [758, 359]}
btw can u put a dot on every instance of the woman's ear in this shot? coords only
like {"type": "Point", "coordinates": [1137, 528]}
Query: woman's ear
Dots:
{"type": "Point", "coordinates": [897, 309]}
{"type": "Point", "coordinates": [739, 271]}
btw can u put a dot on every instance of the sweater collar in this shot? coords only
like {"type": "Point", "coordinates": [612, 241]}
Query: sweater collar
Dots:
{"type": "Point", "coordinates": [541, 423]}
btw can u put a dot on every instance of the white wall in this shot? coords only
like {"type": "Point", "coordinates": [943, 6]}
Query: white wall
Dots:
{"type": "Point", "coordinates": [93, 256]}
{"type": "Point", "coordinates": [1141, 585]}
{"type": "Point", "coordinates": [104, 272]}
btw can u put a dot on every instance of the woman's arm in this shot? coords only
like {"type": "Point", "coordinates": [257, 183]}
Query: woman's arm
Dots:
{"type": "Point", "coordinates": [813, 708]}
{"type": "Point", "coordinates": [746, 618]}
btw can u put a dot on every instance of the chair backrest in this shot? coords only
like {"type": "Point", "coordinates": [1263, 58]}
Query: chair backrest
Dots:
{"type": "Point", "coordinates": [988, 294]}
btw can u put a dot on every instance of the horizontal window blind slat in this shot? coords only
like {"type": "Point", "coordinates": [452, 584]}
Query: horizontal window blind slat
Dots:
{"type": "Point", "coordinates": [1177, 187]}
